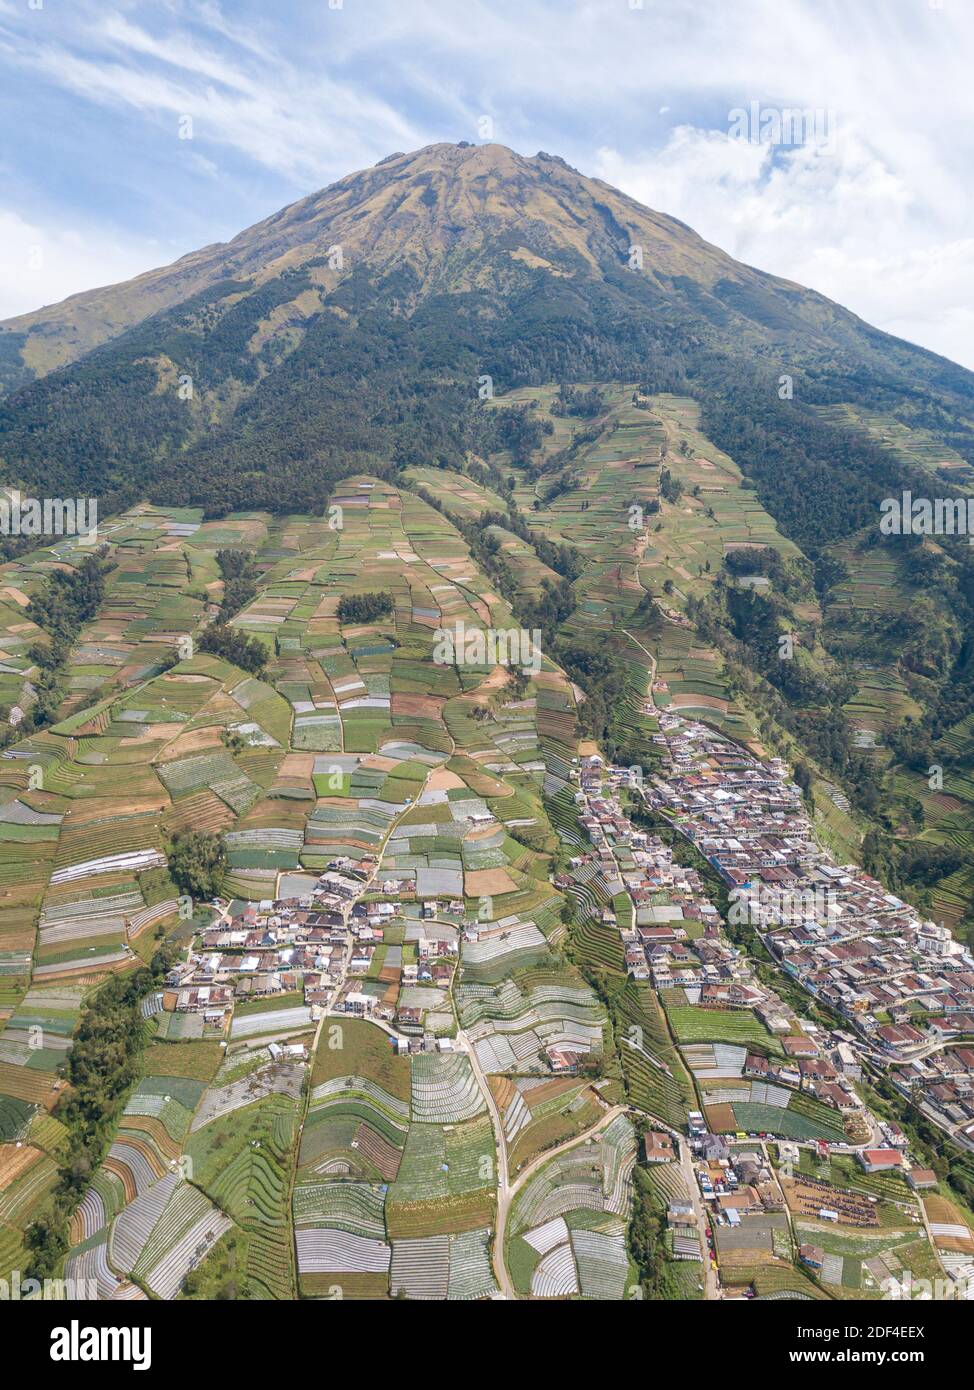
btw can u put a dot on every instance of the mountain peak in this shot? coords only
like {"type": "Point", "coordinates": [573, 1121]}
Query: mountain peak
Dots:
{"type": "Point", "coordinates": [354, 326]}
{"type": "Point", "coordinates": [448, 210]}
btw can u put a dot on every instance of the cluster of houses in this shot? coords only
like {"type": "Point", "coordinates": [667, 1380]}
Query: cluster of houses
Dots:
{"type": "Point", "coordinates": [943, 1083]}
{"type": "Point", "coordinates": [279, 946]}
{"type": "Point", "coordinates": [904, 985]}
{"type": "Point", "coordinates": [322, 944]}
{"type": "Point", "coordinates": [734, 1182]}
{"type": "Point", "coordinates": [385, 995]}
{"type": "Point", "coordinates": [675, 938]}
{"type": "Point", "coordinates": [808, 1068]}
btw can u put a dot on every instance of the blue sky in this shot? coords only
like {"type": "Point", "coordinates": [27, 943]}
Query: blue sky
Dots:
{"type": "Point", "coordinates": [286, 95]}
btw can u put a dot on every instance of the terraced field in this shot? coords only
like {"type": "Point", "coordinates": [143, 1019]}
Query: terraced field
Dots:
{"type": "Point", "coordinates": [655, 1072]}
{"type": "Point", "coordinates": [142, 1226]}
{"type": "Point", "coordinates": [539, 1114]}
{"type": "Point", "coordinates": [396, 1173]}
{"type": "Point", "coordinates": [692, 1024]}
{"type": "Point", "coordinates": [513, 1024]}
{"type": "Point", "coordinates": [380, 1173]}
{"type": "Point", "coordinates": [567, 1232]}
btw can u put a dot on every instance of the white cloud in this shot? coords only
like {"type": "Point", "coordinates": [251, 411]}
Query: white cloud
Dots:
{"type": "Point", "coordinates": [275, 108]}
{"type": "Point", "coordinates": [842, 222]}
{"type": "Point", "coordinates": [42, 264]}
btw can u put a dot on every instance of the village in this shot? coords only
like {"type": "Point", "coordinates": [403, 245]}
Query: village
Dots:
{"type": "Point", "coordinates": [322, 945]}
{"type": "Point", "coordinates": [902, 984]}
{"type": "Point", "coordinates": [361, 941]}
{"type": "Point", "coordinates": [831, 928]}
{"type": "Point", "coordinates": [903, 987]}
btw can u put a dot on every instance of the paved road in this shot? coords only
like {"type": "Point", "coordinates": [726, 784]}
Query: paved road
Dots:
{"type": "Point", "coordinates": [506, 1189]}
{"type": "Point", "coordinates": [500, 1267]}
{"type": "Point", "coordinates": [510, 1191]}
{"type": "Point", "coordinates": [711, 1285]}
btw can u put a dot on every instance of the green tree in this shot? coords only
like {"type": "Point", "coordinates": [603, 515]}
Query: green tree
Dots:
{"type": "Point", "coordinates": [197, 863]}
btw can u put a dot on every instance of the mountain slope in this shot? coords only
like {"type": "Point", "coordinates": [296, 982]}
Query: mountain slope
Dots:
{"type": "Point", "coordinates": [455, 215]}
{"type": "Point", "coordinates": [353, 329]}
{"type": "Point", "coordinates": [443, 211]}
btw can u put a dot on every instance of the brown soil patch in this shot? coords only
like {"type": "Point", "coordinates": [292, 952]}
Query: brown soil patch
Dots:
{"type": "Point", "coordinates": [298, 766]}
{"type": "Point", "coordinates": [101, 808]}
{"type": "Point", "coordinates": [15, 938]}
{"type": "Point", "coordinates": [202, 811]}
{"type": "Point", "coordinates": [721, 1119]}
{"type": "Point", "coordinates": [418, 706]}
{"type": "Point", "coordinates": [14, 1162]}
{"type": "Point", "coordinates": [548, 1090]}
{"type": "Point", "coordinates": [25, 1083]}
{"type": "Point", "coordinates": [149, 1125]}
{"type": "Point", "coordinates": [497, 680]}
{"type": "Point", "coordinates": [941, 1212]}
{"type": "Point", "coordinates": [700, 702]}
{"type": "Point", "coordinates": [502, 1088]}
{"type": "Point", "coordinates": [440, 780]}
{"type": "Point", "coordinates": [481, 833]}
{"type": "Point", "coordinates": [195, 741]}
{"type": "Point", "coordinates": [124, 1173]}
{"type": "Point", "coordinates": [484, 882]}
{"type": "Point", "coordinates": [373, 1146]}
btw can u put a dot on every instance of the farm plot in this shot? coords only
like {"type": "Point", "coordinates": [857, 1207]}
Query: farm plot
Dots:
{"type": "Point", "coordinates": [866, 1263]}
{"type": "Point", "coordinates": [396, 1173]}
{"type": "Point", "coordinates": [539, 1114]}
{"type": "Point", "coordinates": [567, 1225]}
{"type": "Point", "coordinates": [243, 1159]}
{"type": "Point", "coordinates": [33, 1045]}
{"type": "Point", "coordinates": [692, 1024]}
{"type": "Point", "coordinates": [446, 1180]}
{"type": "Point", "coordinates": [952, 1236]}
{"type": "Point", "coordinates": [454, 1266]}
{"type": "Point", "coordinates": [278, 1022]}
{"type": "Point", "coordinates": [656, 1077]}
{"type": "Point", "coordinates": [148, 1143]}
{"type": "Point", "coordinates": [161, 1236]}
{"type": "Point", "coordinates": [354, 1128]}
{"type": "Point", "coordinates": [503, 947]}
{"type": "Point", "coordinates": [444, 1089]}
{"type": "Point", "coordinates": [518, 1025]}
{"type": "Point", "coordinates": [799, 1118]}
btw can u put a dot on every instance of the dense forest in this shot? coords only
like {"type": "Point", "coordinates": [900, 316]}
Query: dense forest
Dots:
{"type": "Point", "coordinates": [246, 652]}
{"type": "Point", "coordinates": [193, 406]}
{"type": "Point", "coordinates": [239, 572]}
